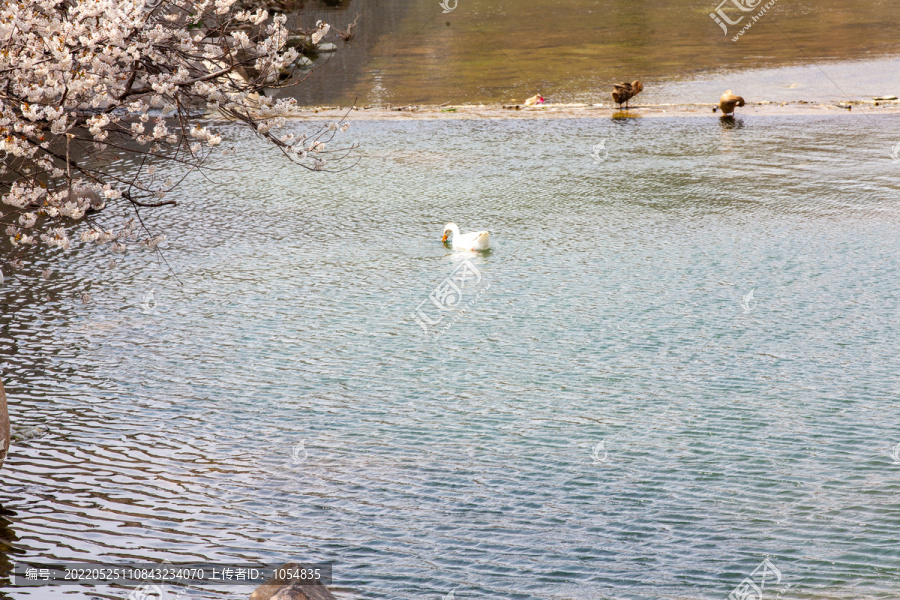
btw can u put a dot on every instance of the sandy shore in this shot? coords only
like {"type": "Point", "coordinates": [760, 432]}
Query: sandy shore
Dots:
{"type": "Point", "coordinates": [570, 111]}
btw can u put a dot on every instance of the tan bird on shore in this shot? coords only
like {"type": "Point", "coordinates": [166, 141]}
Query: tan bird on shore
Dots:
{"type": "Point", "coordinates": [728, 101]}
{"type": "Point", "coordinates": [623, 92]}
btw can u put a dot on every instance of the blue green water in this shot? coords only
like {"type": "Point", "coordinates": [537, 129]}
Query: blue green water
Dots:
{"type": "Point", "coordinates": [615, 307]}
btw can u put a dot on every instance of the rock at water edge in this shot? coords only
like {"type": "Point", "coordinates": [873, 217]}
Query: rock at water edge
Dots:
{"type": "Point", "coordinates": [283, 589]}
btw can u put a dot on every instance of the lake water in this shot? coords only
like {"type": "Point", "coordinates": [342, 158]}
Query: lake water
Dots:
{"type": "Point", "coordinates": [615, 308]}
{"type": "Point", "coordinates": [412, 52]}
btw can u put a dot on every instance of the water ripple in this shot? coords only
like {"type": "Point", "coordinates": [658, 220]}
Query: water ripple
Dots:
{"type": "Point", "coordinates": [617, 312]}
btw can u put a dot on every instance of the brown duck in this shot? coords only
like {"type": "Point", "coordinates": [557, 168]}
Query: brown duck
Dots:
{"type": "Point", "coordinates": [623, 92]}
{"type": "Point", "coordinates": [728, 101]}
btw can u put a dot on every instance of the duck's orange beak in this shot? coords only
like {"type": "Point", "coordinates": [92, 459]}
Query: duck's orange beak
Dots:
{"type": "Point", "coordinates": [446, 235]}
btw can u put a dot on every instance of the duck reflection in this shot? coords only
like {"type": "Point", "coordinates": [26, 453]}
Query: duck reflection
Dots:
{"type": "Point", "coordinates": [730, 122]}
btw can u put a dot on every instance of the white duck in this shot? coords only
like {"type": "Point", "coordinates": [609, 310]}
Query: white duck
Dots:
{"type": "Point", "coordinates": [477, 240]}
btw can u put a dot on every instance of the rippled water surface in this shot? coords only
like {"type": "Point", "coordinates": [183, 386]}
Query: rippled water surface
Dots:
{"type": "Point", "coordinates": [418, 52]}
{"type": "Point", "coordinates": [614, 308]}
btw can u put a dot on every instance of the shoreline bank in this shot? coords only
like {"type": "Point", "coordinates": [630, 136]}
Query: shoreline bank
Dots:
{"type": "Point", "coordinates": [595, 111]}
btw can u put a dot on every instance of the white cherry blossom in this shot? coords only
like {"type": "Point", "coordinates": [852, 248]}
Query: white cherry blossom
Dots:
{"type": "Point", "coordinates": [85, 77]}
